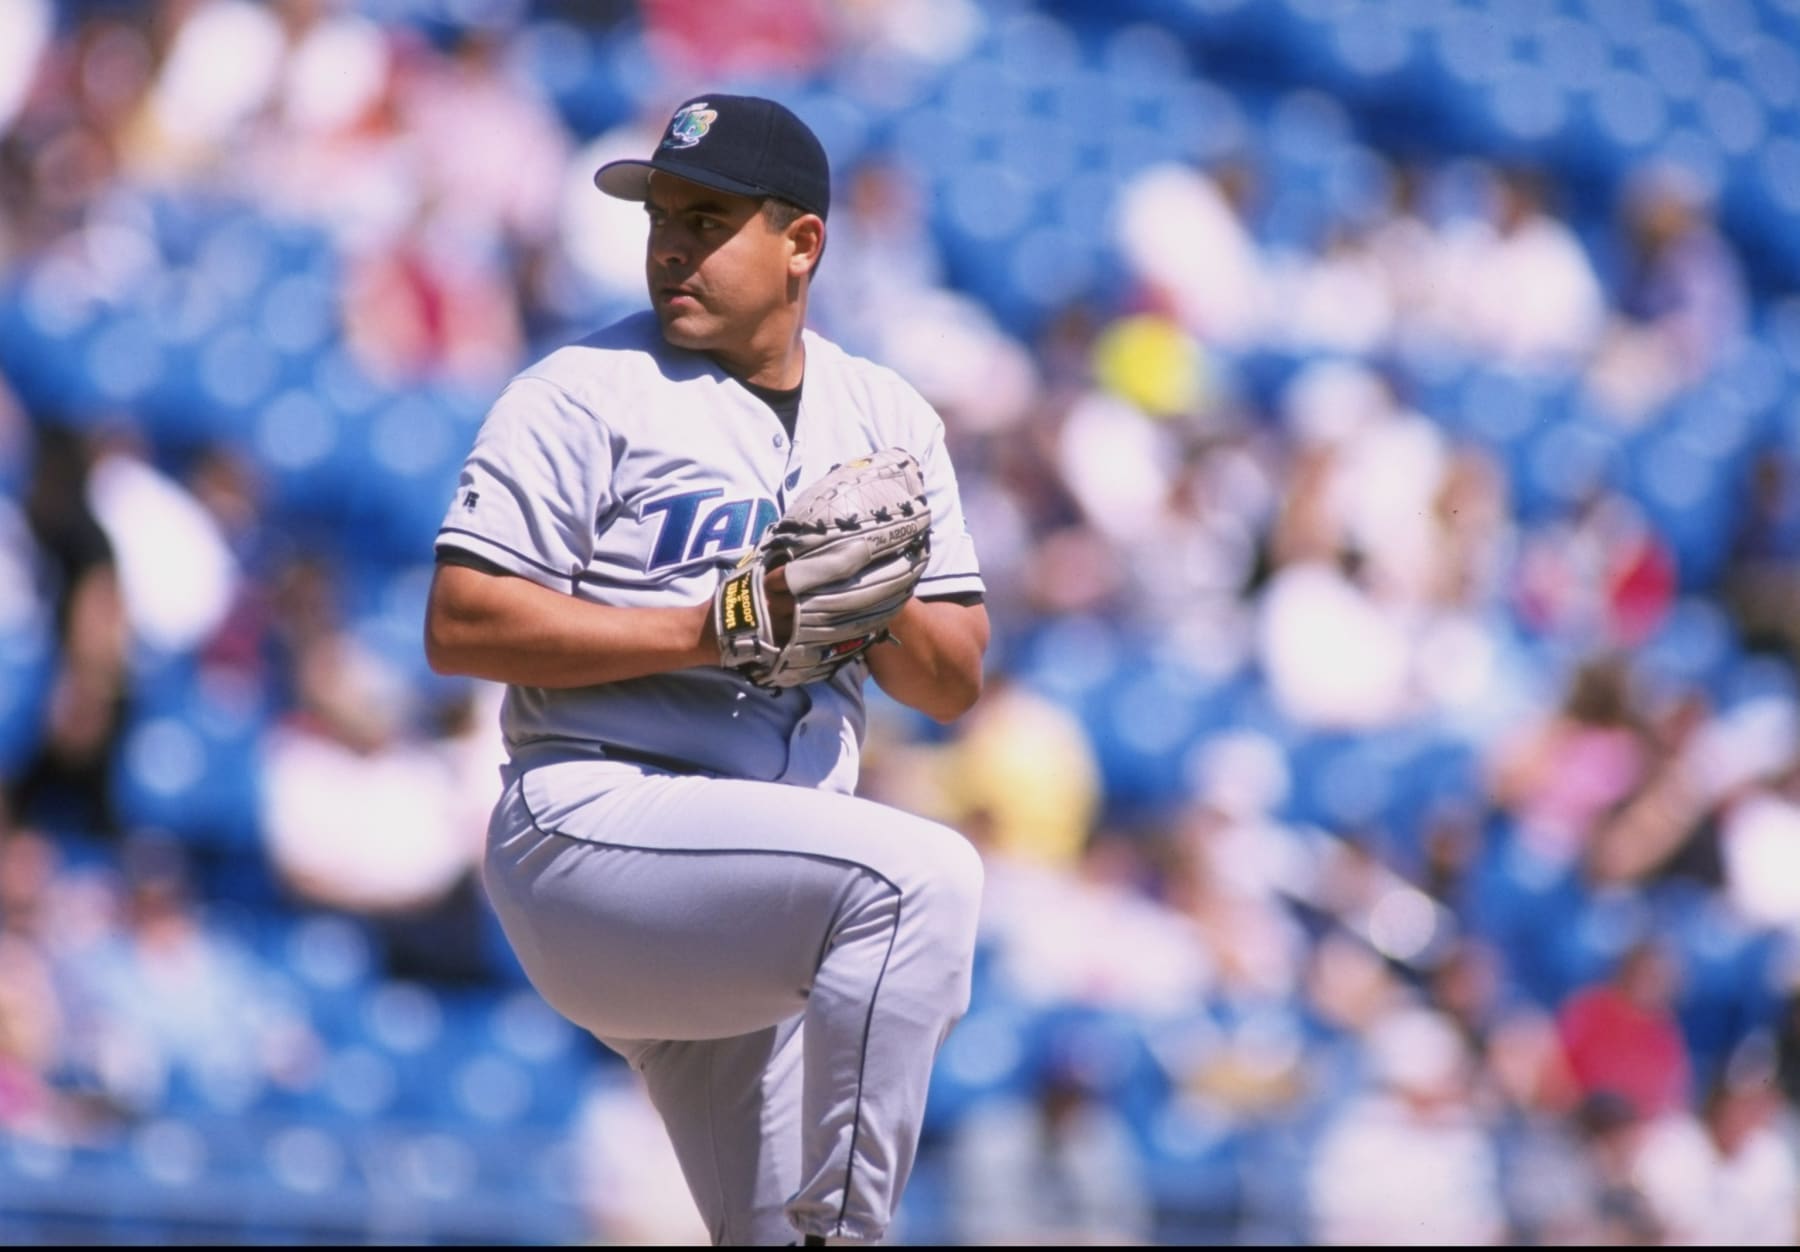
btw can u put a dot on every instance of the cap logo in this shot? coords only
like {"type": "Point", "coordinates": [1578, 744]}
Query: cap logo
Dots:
{"type": "Point", "coordinates": [690, 124]}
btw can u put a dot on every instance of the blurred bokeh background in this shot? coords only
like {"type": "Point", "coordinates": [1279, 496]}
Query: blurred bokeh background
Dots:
{"type": "Point", "coordinates": [1378, 422]}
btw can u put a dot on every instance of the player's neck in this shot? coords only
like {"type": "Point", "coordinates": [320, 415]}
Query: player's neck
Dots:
{"type": "Point", "coordinates": [775, 359]}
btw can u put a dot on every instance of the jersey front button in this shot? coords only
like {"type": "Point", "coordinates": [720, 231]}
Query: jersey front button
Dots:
{"type": "Point", "coordinates": [778, 441]}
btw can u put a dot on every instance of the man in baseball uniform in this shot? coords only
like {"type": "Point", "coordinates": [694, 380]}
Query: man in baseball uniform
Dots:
{"type": "Point", "coordinates": [677, 856]}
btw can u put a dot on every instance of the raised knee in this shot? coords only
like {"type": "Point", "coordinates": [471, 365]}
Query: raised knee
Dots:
{"type": "Point", "coordinates": [965, 874]}
{"type": "Point", "coordinates": [953, 891]}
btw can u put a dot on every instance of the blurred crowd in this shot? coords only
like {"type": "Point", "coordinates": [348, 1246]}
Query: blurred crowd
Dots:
{"type": "Point", "coordinates": [1389, 772]}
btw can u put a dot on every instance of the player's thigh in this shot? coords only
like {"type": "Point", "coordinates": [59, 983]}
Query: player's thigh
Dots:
{"type": "Point", "coordinates": [646, 944]}
{"type": "Point", "coordinates": [699, 910]}
{"type": "Point", "coordinates": [711, 816]}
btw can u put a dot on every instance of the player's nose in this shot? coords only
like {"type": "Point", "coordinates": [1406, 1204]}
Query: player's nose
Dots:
{"type": "Point", "coordinates": [667, 249]}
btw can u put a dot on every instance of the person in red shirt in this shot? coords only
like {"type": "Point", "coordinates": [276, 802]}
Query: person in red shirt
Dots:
{"type": "Point", "coordinates": [1621, 1036]}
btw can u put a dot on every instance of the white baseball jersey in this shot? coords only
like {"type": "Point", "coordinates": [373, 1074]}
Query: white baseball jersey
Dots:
{"type": "Point", "coordinates": [625, 471]}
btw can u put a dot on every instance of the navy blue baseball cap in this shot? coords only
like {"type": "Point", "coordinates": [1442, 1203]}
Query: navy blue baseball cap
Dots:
{"type": "Point", "coordinates": [741, 144]}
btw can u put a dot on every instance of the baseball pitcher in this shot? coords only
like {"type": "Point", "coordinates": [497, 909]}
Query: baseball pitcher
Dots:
{"type": "Point", "coordinates": [684, 543]}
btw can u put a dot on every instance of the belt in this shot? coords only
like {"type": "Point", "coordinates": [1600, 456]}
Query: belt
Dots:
{"type": "Point", "coordinates": [653, 760]}
{"type": "Point", "coordinates": [544, 750]}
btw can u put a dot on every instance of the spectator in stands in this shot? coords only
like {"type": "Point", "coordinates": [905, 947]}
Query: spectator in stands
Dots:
{"type": "Point", "coordinates": [1599, 576]}
{"type": "Point", "coordinates": [165, 999]}
{"type": "Point", "coordinates": [63, 151]}
{"type": "Point", "coordinates": [1761, 583]}
{"type": "Point", "coordinates": [67, 783]}
{"type": "Point", "coordinates": [1759, 845]}
{"type": "Point", "coordinates": [1621, 1036]}
{"type": "Point", "coordinates": [1408, 248]}
{"type": "Point", "coordinates": [421, 306]}
{"type": "Point", "coordinates": [1228, 867]}
{"type": "Point", "coordinates": [31, 1025]}
{"type": "Point", "coordinates": [1096, 937]}
{"type": "Point", "coordinates": [884, 295]}
{"type": "Point", "coordinates": [331, 146]}
{"type": "Point", "coordinates": [1528, 292]}
{"type": "Point", "coordinates": [1057, 1166]}
{"type": "Point", "coordinates": [1653, 832]}
{"type": "Point", "coordinates": [1334, 301]}
{"type": "Point", "coordinates": [774, 38]}
{"type": "Point", "coordinates": [1681, 293]}
{"type": "Point", "coordinates": [1559, 775]}
{"type": "Point", "coordinates": [1182, 231]}
{"type": "Point", "coordinates": [882, 257]}
{"type": "Point", "coordinates": [1612, 1134]}
{"type": "Point", "coordinates": [407, 848]}
{"type": "Point", "coordinates": [177, 574]}
{"type": "Point", "coordinates": [1725, 1177]}
{"type": "Point", "coordinates": [631, 1188]}
{"type": "Point", "coordinates": [1411, 1161]}
{"type": "Point", "coordinates": [1028, 765]}
{"type": "Point", "coordinates": [1786, 1031]}
{"type": "Point", "coordinates": [466, 114]}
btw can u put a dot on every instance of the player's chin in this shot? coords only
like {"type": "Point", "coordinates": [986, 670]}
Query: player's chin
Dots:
{"type": "Point", "coordinates": [686, 328]}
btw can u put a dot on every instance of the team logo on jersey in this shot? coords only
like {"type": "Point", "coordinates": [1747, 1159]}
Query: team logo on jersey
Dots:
{"type": "Point", "coordinates": [688, 533]}
{"type": "Point", "coordinates": [690, 124]}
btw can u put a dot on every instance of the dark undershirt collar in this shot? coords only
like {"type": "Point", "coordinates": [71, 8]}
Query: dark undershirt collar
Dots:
{"type": "Point", "coordinates": [785, 403]}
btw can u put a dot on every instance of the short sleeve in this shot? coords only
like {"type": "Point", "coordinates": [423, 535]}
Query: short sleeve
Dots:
{"type": "Point", "coordinates": [533, 486]}
{"type": "Point", "coordinates": [952, 569]}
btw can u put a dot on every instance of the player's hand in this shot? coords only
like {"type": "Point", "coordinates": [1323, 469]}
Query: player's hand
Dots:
{"type": "Point", "coordinates": [781, 603]}
{"type": "Point", "coordinates": [823, 583]}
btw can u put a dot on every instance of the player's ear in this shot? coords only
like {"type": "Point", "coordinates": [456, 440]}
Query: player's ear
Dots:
{"type": "Point", "coordinates": [806, 243]}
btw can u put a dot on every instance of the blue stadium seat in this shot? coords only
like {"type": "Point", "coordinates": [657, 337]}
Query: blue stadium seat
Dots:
{"type": "Point", "coordinates": [1759, 677]}
{"type": "Point", "coordinates": [27, 657]}
{"type": "Point", "coordinates": [1608, 922]}
{"type": "Point", "coordinates": [360, 1083]}
{"type": "Point", "coordinates": [335, 962]}
{"type": "Point", "coordinates": [530, 1030]}
{"type": "Point", "coordinates": [404, 476]}
{"type": "Point", "coordinates": [1562, 463]}
{"type": "Point", "coordinates": [298, 314]}
{"type": "Point", "coordinates": [1691, 499]}
{"type": "Point", "coordinates": [490, 1088]}
{"type": "Point", "coordinates": [188, 762]}
{"type": "Point", "coordinates": [1729, 983]}
{"type": "Point", "coordinates": [1196, 1170]}
{"type": "Point", "coordinates": [988, 1054]}
{"type": "Point", "coordinates": [1143, 728]}
{"type": "Point", "coordinates": [1108, 1053]}
{"type": "Point", "coordinates": [1694, 645]}
{"type": "Point", "coordinates": [1071, 659]}
{"type": "Point", "coordinates": [1524, 907]}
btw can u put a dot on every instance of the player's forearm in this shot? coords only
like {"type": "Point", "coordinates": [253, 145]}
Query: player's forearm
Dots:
{"type": "Point", "coordinates": [511, 630]}
{"type": "Point", "coordinates": [936, 665]}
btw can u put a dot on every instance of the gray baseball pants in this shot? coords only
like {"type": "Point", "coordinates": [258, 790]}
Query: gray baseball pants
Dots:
{"type": "Point", "coordinates": [781, 965]}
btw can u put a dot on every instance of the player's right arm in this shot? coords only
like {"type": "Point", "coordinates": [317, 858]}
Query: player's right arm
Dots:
{"type": "Point", "coordinates": [536, 484]}
{"type": "Point", "coordinates": [488, 623]}
{"type": "Point", "coordinates": [535, 488]}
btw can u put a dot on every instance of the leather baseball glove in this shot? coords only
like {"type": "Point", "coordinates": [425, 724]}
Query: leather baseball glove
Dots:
{"type": "Point", "coordinates": [853, 546]}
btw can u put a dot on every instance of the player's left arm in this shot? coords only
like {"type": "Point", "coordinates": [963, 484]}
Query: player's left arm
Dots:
{"type": "Point", "coordinates": [934, 662]}
{"type": "Point", "coordinates": [942, 633]}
